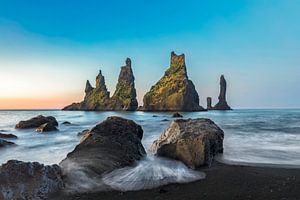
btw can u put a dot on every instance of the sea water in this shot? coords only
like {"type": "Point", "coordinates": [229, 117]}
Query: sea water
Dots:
{"type": "Point", "coordinates": [251, 136]}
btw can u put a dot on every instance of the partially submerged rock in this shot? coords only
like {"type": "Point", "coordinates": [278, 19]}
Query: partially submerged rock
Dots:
{"type": "Point", "coordinates": [47, 127]}
{"type": "Point", "coordinates": [177, 115]}
{"type": "Point", "coordinates": [66, 123]}
{"type": "Point", "coordinates": [8, 136]}
{"type": "Point", "coordinates": [222, 104]}
{"type": "Point", "coordinates": [193, 141]}
{"type": "Point", "coordinates": [99, 99]}
{"type": "Point", "coordinates": [36, 122]}
{"type": "Point", "coordinates": [174, 91]}
{"type": "Point", "coordinates": [112, 144]}
{"type": "Point", "coordinates": [4, 143]}
{"type": "Point", "coordinates": [81, 133]}
{"type": "Point", "coordinates": [26, 180]}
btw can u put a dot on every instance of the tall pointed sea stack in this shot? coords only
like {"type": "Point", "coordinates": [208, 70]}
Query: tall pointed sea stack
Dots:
{"type": "Point", "coordinates": [124, 97]}
{"type": "Point", "coordinates": [98, 98]}
{"type": "Point", "coordinates": [174, 91]}
{"type": "Point", "coordinates": [222, 104]}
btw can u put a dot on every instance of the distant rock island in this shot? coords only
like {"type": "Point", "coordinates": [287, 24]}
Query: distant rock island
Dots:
{"type": "Point", "coordinates": [174, 91]}
{"type": "Point", "coordinates": [98, 99]}
{"type": "Point", "coordinates": [222, 104]}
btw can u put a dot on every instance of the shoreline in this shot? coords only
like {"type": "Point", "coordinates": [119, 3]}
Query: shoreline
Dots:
{"type": "Point", "coordinates": [222, 181]}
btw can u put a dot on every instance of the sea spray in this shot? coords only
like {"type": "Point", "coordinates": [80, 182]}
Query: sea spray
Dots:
{"type": "Point", "coordinates": [151, 172]}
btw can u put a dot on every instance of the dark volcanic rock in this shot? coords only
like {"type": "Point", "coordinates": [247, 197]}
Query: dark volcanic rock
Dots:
{"type": "Point", "coordinates": [66, 123]}
{"type": "Point", "coordinates": [209, 103]}
{"type": "Point", "coordinates": [222, 104]}
{"type": "Point", "coordinates": [36, 122]}
{"type": "Point", "coordinates": [99, 99]}
{"type": "Point", "coordinates": [112, 144]}
{"type": "Point", "coordinates": [21, 180]}
{"type": "Point", "coordinates": [4, 143]}
{"type": "Point", "coordinates": [47, 127]}
{"type": "Point", "coordinates": [8, 136]}
{"type": "Point", "coordinates": [174, 91]}
{"type": "Point", "coordinates": [83, 132]}
{"type": "Point", "coordinates": [193, 141]}
{"type": "Point", "coordinates": [177, 115]}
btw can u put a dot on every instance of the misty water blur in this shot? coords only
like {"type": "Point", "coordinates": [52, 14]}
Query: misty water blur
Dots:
{"type": "Point", "coordinates": [251, 136]}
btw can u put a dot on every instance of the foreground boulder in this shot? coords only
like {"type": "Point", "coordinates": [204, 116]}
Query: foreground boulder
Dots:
{"type": "Point", "coordinates": [36, 122]}
{"type": "Point", "coordinates": [193, 141]}
{"type": "Point", "coordinates": [26, 180]}
{"type": "Point", "coordinates": [4, 143]}
{"type": "Point", "coordinates": [174, 91]}
{"type": "Point", "coordinates": [47, 127]}
{"type": "Point", "coordinates": [98, 98]}
{"type": "Point", "coordinates": [8, 136]}
{"type": "Point", "coordinates": [112, 144]}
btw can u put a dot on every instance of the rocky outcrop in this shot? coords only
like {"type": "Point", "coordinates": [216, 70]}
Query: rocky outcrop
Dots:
{"type": "Point", "coordinates": [174, 91]}
{"type": "Point", "coordinates": [177, 115]}
{"type": "Point", "coordinates": [81, 133]}
{"type": "Point", "coordinates": [222, 104]}
{"type": "Point", "coordinates": [26, 180]}
{"type": "Point", "coordinates": [112, 144]}
{"type": "Point", "coordinates": [47, 127]}
{"type": "Point", "coordinates": [99, 99]}
{"type": "Point", "coordinates": [124, 97]}
{"type": "Point", "coordinates": [209, 103]}
{"type": "Point", "coordinates": [4, 143]}
{"type": "Point", "coordinates": [8, 136]}
{"type": "Point", "coordinates": [193, 141]}
{"type": "Point", "coordinates": [36, 122]}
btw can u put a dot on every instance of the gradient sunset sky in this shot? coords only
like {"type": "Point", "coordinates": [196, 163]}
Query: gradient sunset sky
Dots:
{"type": "Point", "coordinates": [48, 49]}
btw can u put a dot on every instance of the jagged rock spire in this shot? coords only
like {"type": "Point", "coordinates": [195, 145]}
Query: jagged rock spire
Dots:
{"type": "Point", "coordinates": [222, 104]}
{"type": "Point", "coordinates": [174, 91]}
{"type": "Point", "coordinates": [209, 103]}
{"type": "Point", "coordinates": [100, 82]}
{"type": "Point", "coordinates": [88, 87]}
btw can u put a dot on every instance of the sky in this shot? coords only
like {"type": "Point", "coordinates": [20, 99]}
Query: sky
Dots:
{"type": "Point", "coordinates": [48, 49]}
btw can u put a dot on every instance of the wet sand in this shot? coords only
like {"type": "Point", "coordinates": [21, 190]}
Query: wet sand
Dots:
{"type": "Point", "coordinates": [222, 182]}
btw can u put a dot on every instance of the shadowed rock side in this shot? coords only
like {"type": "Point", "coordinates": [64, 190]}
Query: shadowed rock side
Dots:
{"type": "Point", "coordinates": [193, 141]}
{"type": "Point", "coordinates": [222, 104]}
{"type": "Point", "coordinates": [26, 180]}
{"type": "Point", "coordinates": [99, 99]}
{"type": "Point", "coordinates": [174, 91]}
{"type": "Point", "coordinates": [112, 144]}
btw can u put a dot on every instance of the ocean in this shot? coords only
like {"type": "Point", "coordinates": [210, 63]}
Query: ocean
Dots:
{"type": "Point", "coordinates": [252, 136]}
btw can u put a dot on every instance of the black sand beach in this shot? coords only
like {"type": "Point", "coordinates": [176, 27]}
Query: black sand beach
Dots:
{"type": "Point", "coordinates": [222, 182]}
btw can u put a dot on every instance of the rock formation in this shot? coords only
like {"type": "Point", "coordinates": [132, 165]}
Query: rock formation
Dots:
{"type": "Point", "coordinates": [177, 115]}
{"type": "Point", "coordinates": [174, 91]}
{"type": "Point", "coordinates": [112, 144]}
{"type": "Point", "coordinates": [47, 127]}
{"type": "Point", "coordinates": [20, 180]}
{"type": "Point", "coordinates": [193, 141]}
{"type": "Point", "coordinates": [36, 122]}
{"type": "Point", "coordinates": [209, 103]}
{"type": "Point", "coordinates": [99, 99]}
{"type": "Point", "coordinates": [222, 104]}
{"type": "Point", "coordinates": [4, 143]}
{"type": "Point", "coordinates": [8, 136]}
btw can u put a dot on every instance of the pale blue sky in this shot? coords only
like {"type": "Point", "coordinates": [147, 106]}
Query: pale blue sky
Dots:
{"type": "Point", "coordinates": [48, 50]}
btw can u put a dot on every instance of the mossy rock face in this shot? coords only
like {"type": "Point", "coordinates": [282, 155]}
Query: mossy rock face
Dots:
{"type": "Point", "coordinates": [174, 91]}
{"type": "Point", "coordinates": [99, 99]}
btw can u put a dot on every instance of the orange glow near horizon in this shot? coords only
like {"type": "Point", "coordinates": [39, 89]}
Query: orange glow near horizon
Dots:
{"type": "Point", "coordinates": [36, 103]}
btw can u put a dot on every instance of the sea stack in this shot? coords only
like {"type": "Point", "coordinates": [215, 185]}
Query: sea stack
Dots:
{"type": "Point", "coordinates": [174, 91]}
{"type": "Point", "coordinates": [124, 97]}
{"type": "Point", "coordinates": [98, 98]}
{"type": "Point", "coordinates": [222, 104]}
{"type": "Point", "coordinates": [209, 103]}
